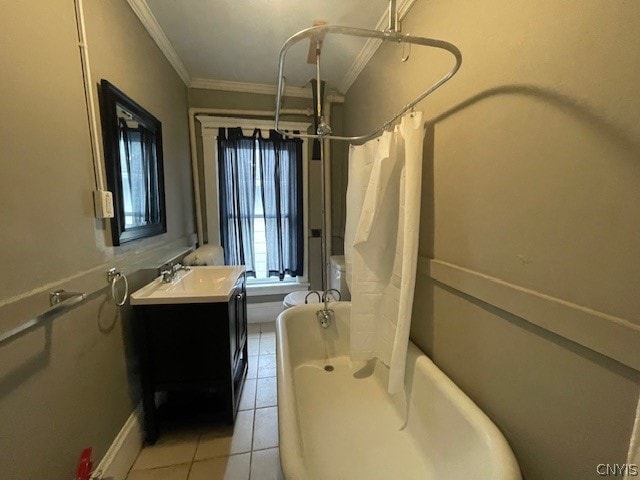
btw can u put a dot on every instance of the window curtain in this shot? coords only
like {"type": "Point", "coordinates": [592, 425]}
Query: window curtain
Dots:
{"type": "Point", "coordinates": [136, 151]}
{"type": "Point", "coordinates": [237, 187]}
{"type": "Point", "coordinates": [281, 180]}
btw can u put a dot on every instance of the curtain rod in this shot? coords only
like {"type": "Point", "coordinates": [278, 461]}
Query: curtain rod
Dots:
{"type": "Point", "coordinates": [220, 112]}
{"type": "Point", "coordinates": [389, 36]}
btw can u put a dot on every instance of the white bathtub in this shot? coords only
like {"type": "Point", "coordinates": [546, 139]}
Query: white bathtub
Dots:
{"type": "Point", "coordinates": [342, 424]}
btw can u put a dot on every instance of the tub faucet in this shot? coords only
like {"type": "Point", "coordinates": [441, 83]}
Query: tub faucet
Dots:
{"type": "Point", "coordinates": [325, 316]}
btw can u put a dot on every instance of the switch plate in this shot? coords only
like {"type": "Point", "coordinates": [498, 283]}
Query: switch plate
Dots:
{"type": "Point", "coordinates": [103, 202]}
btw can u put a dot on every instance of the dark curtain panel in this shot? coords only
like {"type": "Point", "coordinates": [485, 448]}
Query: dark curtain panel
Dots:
{"type": "Point", "coordinates": [150, 178]}
{"type": "Point", "coordinates": [237, 167]}
{"type": "Point", "coordinates": [137, 146]}
{"type": "Point", "coordinates": [281, 179]}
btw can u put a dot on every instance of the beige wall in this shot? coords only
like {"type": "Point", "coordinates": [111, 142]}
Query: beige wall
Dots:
{"type": "Point", "coordinates": [531, 175]}
{"type": "Point", "coordinates": [72, 383]}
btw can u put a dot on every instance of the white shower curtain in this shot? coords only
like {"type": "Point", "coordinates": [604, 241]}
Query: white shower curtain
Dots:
{"type": "Point", "coordinates": [381, 243]}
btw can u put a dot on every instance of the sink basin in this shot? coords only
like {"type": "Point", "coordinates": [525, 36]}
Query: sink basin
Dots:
{"type": "Point", "coordinates": [197, 285]}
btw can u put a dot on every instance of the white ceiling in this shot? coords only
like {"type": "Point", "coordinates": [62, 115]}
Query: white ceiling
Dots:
{"type": "Point", "coordinates": [239, 40]}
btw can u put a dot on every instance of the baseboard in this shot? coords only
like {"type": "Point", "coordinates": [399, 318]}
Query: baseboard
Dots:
{"type": "Point", "coordinates": [124, 450]}
{"type": "Point", "coordinates": [263, 312]}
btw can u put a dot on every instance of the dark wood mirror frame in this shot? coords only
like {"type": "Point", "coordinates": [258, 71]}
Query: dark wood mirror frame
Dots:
{"type": "Point", "coordinates": [110, 99]}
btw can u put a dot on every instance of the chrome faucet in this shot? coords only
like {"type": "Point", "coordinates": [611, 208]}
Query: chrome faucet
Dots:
{"type": "Point", "coordinates": [325, 315]}
{"type": "Point", "coordinates": [311, 293]}
{"type": "Point", "coordinates": [170, 274]}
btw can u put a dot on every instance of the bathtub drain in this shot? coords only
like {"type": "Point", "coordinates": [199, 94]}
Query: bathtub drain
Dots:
{"type": "Point", "coordinates": [328, 368]}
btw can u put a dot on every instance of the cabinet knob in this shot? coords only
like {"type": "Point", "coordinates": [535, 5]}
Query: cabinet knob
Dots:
{"type": "Point", "coordinates": [240, 296]}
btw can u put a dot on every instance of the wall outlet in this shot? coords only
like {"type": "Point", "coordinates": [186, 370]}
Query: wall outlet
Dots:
{"type": "Point", "coordinates": [103, 202]}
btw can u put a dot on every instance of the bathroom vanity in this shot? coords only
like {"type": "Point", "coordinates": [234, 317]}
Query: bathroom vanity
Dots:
{"type": "Point", "coordinates": [192, 336]}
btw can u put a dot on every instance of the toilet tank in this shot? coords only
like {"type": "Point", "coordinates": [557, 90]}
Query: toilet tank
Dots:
{"type": "Point", "coordinates": [337, 278]}
{"type": "Point", "coordinates": [205, 255]}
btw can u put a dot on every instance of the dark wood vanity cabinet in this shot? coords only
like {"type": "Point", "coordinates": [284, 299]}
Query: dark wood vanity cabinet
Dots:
{"type": "Point", "coordinates": [195, 353]}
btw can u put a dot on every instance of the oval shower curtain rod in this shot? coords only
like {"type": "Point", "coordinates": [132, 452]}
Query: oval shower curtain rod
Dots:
{"type": "Point", "coordinates": [384, 35]}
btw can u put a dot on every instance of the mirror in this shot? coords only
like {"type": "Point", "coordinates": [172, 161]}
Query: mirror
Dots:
{"type": "Point", "coordinates": [133, 157]}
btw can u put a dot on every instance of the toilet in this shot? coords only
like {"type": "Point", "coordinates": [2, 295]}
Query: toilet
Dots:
{"type": "Point", "coordinates": [338, 277]}
{"type": "Point", "coordinates": [297, 298]}
{"type": "Point", "coordinates": [336, 281]}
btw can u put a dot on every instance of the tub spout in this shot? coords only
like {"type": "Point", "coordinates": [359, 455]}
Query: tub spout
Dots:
{"type": "Point", "coordinates": [324, 317]}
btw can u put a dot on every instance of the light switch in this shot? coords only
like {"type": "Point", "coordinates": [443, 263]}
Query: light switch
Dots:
{"type": "Point", "coordinates": [103, 202]}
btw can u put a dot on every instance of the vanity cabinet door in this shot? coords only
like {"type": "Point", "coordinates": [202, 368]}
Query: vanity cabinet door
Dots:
{"type": "Point", "coordinates": [237, 322]}
{"type": "Point", "coordinates": [185, 344]}
{"type": "Point", "coordinates": [241, 316]}
{"type": "Point", "coordinates": [233, 331]}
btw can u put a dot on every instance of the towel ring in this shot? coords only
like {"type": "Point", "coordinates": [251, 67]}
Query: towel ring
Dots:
{"type": "Point", "coordinates": [113, 276]}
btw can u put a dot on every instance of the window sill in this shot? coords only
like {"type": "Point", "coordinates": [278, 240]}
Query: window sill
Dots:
{"type": "Point", "coordinates": [259, 289]}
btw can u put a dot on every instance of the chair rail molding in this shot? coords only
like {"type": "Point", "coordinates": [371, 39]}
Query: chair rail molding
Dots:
{"type": "Point", "coordinates": [614, 337]}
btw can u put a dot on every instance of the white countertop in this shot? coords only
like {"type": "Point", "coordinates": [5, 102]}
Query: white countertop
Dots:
{"type": "Point", "coordinates": [197, 285]}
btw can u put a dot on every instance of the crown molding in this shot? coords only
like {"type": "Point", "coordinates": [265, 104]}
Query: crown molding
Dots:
{"type": "Point", "coordinates": [247, 87]}
{"type": "Point", "coordinates": [371, 46]}
{"type": "Point", "coordinates": [144, 13]}
{"type": "Point", "coordinates": [260, 88]}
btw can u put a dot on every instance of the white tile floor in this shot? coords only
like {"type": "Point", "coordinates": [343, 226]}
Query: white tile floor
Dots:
{"type": "Point", "coordinates": [246, 451]}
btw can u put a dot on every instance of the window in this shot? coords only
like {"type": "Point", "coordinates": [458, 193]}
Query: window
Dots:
{"type": "Point", "coordinates": [280, 188]}
{"type": "Point", "coordinates": [136, 147]}
{"type": "Point", "coordinates": [260, 189]}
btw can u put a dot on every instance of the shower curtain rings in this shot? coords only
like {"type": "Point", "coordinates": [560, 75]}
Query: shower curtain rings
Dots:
{"type": "Point", "coordinates": [404, 57]}
{"type": "Point", "coordinates": [113, 276]}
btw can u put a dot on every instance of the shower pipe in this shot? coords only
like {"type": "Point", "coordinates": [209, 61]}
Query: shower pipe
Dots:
{"type": "Point", "coordinates": [96, 150]}
{"type": "Point", "coordinates": [328, 229]}
{"type": "Point", "coordinates": [220, 112]}
{"type": "Point", "coordinates": [324, 129]}
{"type": "Point", "coordinates": [388, 35]}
